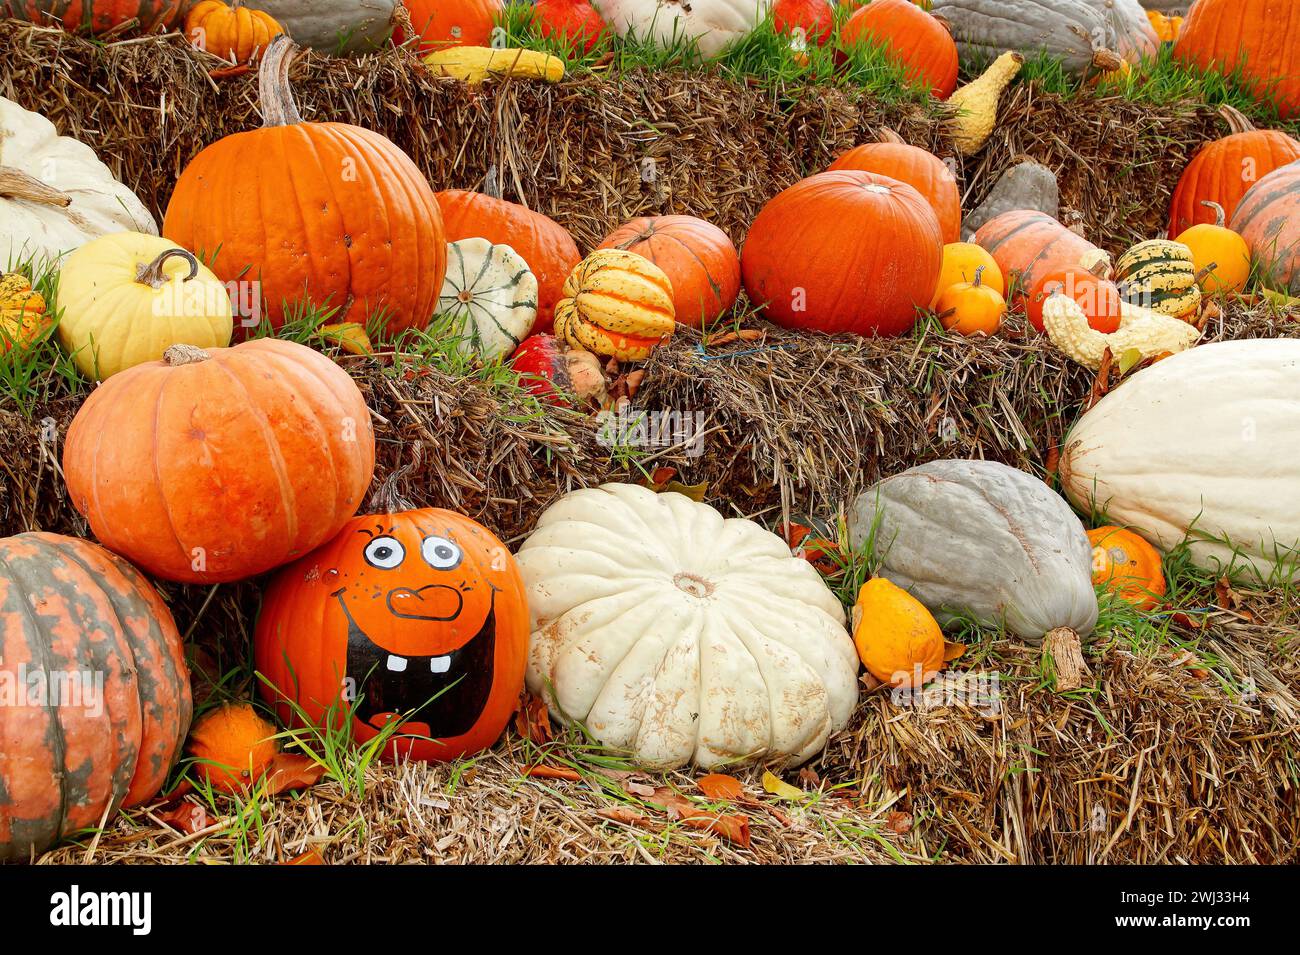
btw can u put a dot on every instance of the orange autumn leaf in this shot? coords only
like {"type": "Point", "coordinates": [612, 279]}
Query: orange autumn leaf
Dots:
{"type": "Point", "coordinates": [728, 825]}
{"type": "Point", "coordinates": [951, 651]}
{"type": "Point", "coordinates": [899, 822]}
{"type": "Point", "coordinates": [623, 814]}
{"type": "Point", "coordinates": [292, 771]}
{"type": "Point", "coordinates": [552, 772]}
{"type": "Point", "coordinates": [186, 817]}
{"type": "Point", "coordinates": [310, 857]}
{"type": "Point", "coordinates": [533, 720]}
{"type": "Point", "coordinates": [720, 786]}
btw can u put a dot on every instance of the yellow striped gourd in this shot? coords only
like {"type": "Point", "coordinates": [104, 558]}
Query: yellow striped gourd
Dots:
{"type": "Point", "coordinates": [1160, 274]}
{"type": "Point", "coordinates": [616, 303]}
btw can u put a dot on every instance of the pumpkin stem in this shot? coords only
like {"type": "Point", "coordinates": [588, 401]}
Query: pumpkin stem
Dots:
{"type": "Point", "coordinates": [178, 355]}
{"type": "Point", "coordinates": [1062, 645]}
{"type": "Point", "coordinates": [1236, 119]}
{"type": "Point", "coordinates": [1107, 61]}
{"type": "Point", "coordinates": [16, 184]}
{"type": "Point", "coordinates": [152, 274]}
{"type": "Point", "coordinates": [273, 89]}
{"type": "Point", "coordinates": [979, 276]}
{"type": "Point", "coordinates": [1220, 219]}
{"type": "Point", "coordinates": [492, 183]}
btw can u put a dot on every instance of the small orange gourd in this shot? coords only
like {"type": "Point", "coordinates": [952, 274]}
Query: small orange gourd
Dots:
{"type": "Point", "coordinates": [1127, 564]}
{"type": "Point", "coordinates": [960, 262]}
{"type": "Point", "coordinates": [898, 640]}
{"type": "Point", "coordinates": [235, 32]}
{"type": "Point", "coordinates": [232, 746]}
{"type": "Point", "coordinates": [971, 308]}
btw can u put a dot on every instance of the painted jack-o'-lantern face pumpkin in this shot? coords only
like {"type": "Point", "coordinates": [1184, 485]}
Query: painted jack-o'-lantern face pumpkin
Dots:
{"type": "Point", "coordinates": [418, 616]}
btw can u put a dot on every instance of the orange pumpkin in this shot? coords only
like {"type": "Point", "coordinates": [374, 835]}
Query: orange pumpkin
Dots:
{"type": "Point", "coordinates": [212, 466]}
{"type": "Point", "coordinates": [232, 747]}
{"type": "Point", "coordinates": [971, 308]}
{"type": "Point", "coordinates": [418, 616]}
{"type": "Point", "coordinates": [95, 16]}
{"type": "Point", "coordinates": [573, 22]}
{"type": "Point", "coordinates": [1097, 296]}
{"type": "Point", "coordinates": [72, 611]}
{"type": "Point", "coordinates": [698, 258]}
{"type": "Point", "coordinates": [1268, 218]}
{"type": "Point", "coordinates": [1029, 245]}
{"type": "Point", "coordinates": [897, 638]}
{"type": "Point", "coordinates": [236, 32]}
{"type": "Point", "coordinates": [1127, 564]}
{"type": "Point", "coordinates": [542, 242]}
{"type": "Point", "coordinates": [923, 171]}
{"type": "Point", "coordinates": [815, 18]}
{"type": "Point", "coordinates": [326, 210]}
{"type": "Point", "coordinates": [844, 251]}
{"type": "Point", "coordinates": [443, 23]}
{"type": "Point", "coordinates": [1222, 171]}
{"type": "Point", "coordinates": [915, 40]}
{"type": "Point", "coordinates": [1260, 36]}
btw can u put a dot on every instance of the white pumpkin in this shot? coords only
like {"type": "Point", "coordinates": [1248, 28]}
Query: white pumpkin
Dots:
{"type": "Point", "coordinates": [491, 296]}
{"type": "Point", "coordinates": [1205, 443]}
{"type": "Point", "coordinates": [982, 540]}
{"type": "Point", "coordinates": [713, 24]}
{"type": "Point", "coordinates": [678, 635]}
{"type": "Point", "coordinates": [55, 194]}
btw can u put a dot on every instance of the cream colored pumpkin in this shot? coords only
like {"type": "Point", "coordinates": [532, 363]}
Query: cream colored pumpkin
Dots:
{"type": "Point", "coordinates": [1205, 443]}
{"type": "Point", "coordinates": [55, 194]}
{"type": "Point", "coordinates": [678, 635]}
{"type": "Point", "coordinates": [127, 298]}
{"type": "Point", "coordinates": [713, 24]}
{"type": "Point", "coordinates": [982, 540]}
{"type": "Point", "coordinates": [490, 295]}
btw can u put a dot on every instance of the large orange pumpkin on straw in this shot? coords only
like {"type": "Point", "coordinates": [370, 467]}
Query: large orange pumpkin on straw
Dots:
{"type": "Point", "coordinates": [443, 23]}
{"type": "Point", "coordinates": [71, 610]}
{"type": "Point", "coordinates": [327, 211]}
{"type": "Point", "coordinates": [844, 251]}
{"type": "Point", "coordinates": [215, 465]}
{"type": "Point", "coordinates": [698, 258]}
{"type": "Point", "coordinates": [1268, 218]}
{"type": "Point", "coordinates": [912, 38]}
{"type": "Point", "coordinates": [1029, 246]}
{"type": "Point", "coordinates": [95, 16]}
{"type": "Point", "coordinates": [417, 616]}
{"type": "Point", "coordinates": [1262, 37]}
{"type": "Point", "coordinates": [1223, 170]}
{"type": "Point", "coordinates": [923, 171]}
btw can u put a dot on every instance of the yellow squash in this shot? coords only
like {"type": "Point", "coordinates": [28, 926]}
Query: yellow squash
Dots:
{"type": "Point", "coordinates": [898, 640]}
{"type": "Point", "coordinates": [616, 303]}
{"type": "Point", "coordinates": [977, 103]}
{"type": "Point", "coordinates": [128, 297]}
{"type": "Point", "coordinates": [23, 318]}
{"type": "Point", "coordinates": [474, 64]}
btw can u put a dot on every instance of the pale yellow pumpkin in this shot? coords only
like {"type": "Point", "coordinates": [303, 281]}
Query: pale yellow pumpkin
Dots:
{"type": "Point", "coordinates": [128, 297]}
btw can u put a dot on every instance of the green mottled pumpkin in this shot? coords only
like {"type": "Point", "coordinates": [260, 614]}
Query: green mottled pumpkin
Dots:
{"type": "Point", "coordinates": [80, 622]}
{"type": "Point", "coordinates": [1161, 275]}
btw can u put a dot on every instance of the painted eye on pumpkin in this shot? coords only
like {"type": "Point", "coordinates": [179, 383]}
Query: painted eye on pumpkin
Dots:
{"type": "Point", "coordinates": [385, 553]}
{"type": "Point", "coordinates": [440, 553]}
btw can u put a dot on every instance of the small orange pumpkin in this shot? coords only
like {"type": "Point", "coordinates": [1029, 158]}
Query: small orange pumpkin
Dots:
{"type": "Point", "coordinates": [232, 746]}
{"type": "Point", "coordinates": [418, 616]}
{"type": "Point", "coordinates": [1094, 293]}
{"type": "Point", "coordinates": [1127, 564]}
{"type": "Point", "coordinates": [898, 640]}
{"type": "Point", "coordinates": [236, 32]}
{"type": "Point", "coordinates": [971, 308]}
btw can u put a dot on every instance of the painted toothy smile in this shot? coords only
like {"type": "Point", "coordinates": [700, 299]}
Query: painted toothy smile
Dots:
{"type": "Point", "coordinates": [440, 664]}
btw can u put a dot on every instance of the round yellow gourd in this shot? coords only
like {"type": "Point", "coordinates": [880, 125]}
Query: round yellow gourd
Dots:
{"type": "Point", "coordinates": [898, 640]}
{"type": "Point", "coordinates": [616, 303]}
{"type": "Point", "coordinates": [1221, 257]}
{"type": "Point", "coordinates": [961, 260]}
{"type": "Point", "coordinates": [128, 297]}
{"type": "Point", "coordinates": [23, 318]}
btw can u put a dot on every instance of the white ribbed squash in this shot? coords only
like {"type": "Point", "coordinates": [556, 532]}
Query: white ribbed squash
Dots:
{"type": "Point", "coordinates": [713, 24]}
{"type": "Point", "coordinates": [491, 296]}
{"type": "Point", "coordinates": [678, 635]}
{"type": "Point", "coordinates": [1206, 442]}
{"type": "Point", "coordinates": [55, 194]}
{"type": "Point", "coordinates": [983, 540]}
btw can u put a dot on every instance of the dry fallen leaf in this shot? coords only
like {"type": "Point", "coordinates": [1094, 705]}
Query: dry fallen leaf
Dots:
{"type": "Point", "coordinates": [553, 772]}
{"type": "Point", "coordinates": [780, 788]}
{"type": "Point", "coordinates": [623, 814]}
{"type": "Point", "coordinates": [292, 771]}
{"type": "Point", "coordinates": [809, 778]}
{"type": "Point", "coordinates": [186, 817]}
{"type": "Point", "coordinates": [733, 826]}
{"type": "Point", "coordinates": [952, 651]}
{"type": "Point", "coordinates": [310, 857]}
{"type": "Point", "coordinates": [533, 720]}
{"type": "Point", "coordinates": [899, 822]}
{"type": "Point", "coordinates": [720, 786]}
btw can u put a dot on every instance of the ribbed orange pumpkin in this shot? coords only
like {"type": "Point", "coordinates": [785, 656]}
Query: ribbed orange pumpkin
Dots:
{"type": "Point", "coordinates": [697, 257]}
{"type": "Point", "coordinates": [844, 251]}
{"type": "Point", "coordinates": [96, 16]}
{"type": "Point", "coordinates": [418, 611]}
{"type": "Point", "coordinates": [543, 243]}
{"type": "Point", "coordinates": [444, 23]}
{"type": "Point", "coordinates": [216, 465]}
{"type": "Point", "coordinates": [815, 18]}
{"type": "Point", "coordinates": [1028, 246]}
{"type": "Point", "coordinates": [232, 747]}
{"type": "Point", "coordinates": [86, 625]}
{"type": "Point", "coordinates": [1126, 563]}
{"type": "Point", "coordinates": [235, 32]}
{"type": "Point", "coordinates": [1222, 171]}
{"type": "Point", "coordinates": [327, 210]}
{"type": "Point", "coordinates": [1268, 218]}
{"type": "Point", "coordinates": [1261, 35]}
{"type": "Point", "coordinates": [917, 41]}
{"type": "Point", "coordinates": [923, 171]}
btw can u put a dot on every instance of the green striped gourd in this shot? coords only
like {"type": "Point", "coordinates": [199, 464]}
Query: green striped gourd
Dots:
{"type": "Point", "coordinates": [1160, 274]}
